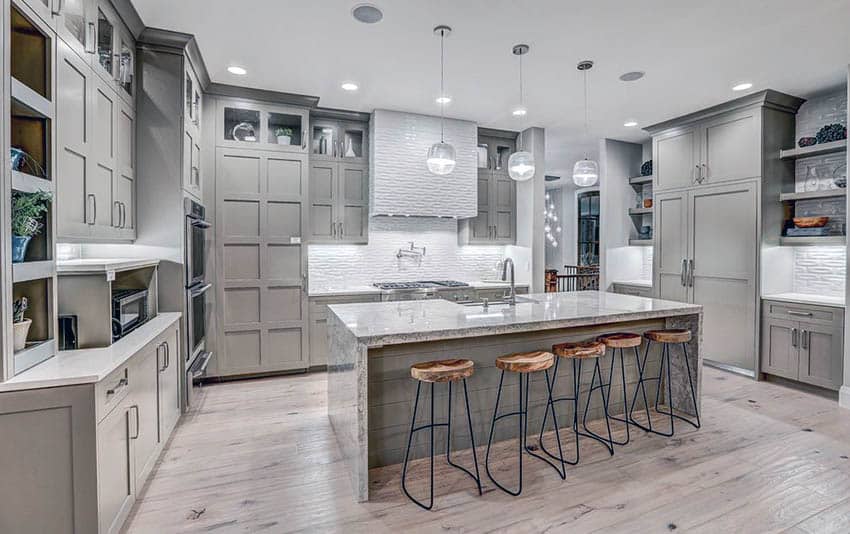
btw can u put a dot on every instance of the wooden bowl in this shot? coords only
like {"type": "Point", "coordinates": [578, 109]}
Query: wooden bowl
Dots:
{"type": "Point", "coordinates": [810, 222]}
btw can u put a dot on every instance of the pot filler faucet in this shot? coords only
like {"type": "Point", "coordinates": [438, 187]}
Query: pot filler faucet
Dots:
{"type": "Point", "coordinates": [512, 297]}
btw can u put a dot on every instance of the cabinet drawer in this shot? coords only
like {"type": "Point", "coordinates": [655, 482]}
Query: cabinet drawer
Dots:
{"type": "Point", "coordinates": [319, 305]}
{"type": "Point", "coordinates": [109, 392]}
{"type": "Point", "coordinates": [803, 312]}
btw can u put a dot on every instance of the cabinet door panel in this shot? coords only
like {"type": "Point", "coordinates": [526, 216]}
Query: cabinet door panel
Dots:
{"type": "Point", "coordinates": [671, 228]}
{"type": "Point", "coordinates": [779, 355]}
{"type": "Point", "coordinates": [318, 342]}
{"type": "Point", "coordinates": [115, 476]}
{"type": "Point", "coordinates": [730, 147]}
{"type": "Point", "coordinates": [144, 394]}
{"type": "Point", "coordinates": [73, 110]}
{"type": "Point", "coordinates": [125, 187]}
{"type": "Point", "coordinates": [169, 385]}
{"type": "Point", "coordinates": [323, 201]}
{"type": "Point", "coordinates": [103, 175]}
{"type": "Point", "coordinates": [504, 208]}
{"type": "Point", "coordinates": [106, 37]}
{"type": "Point", "coordinates": [676, 156]}
{"type": "Point", "coordinates": [821, 356]}
{"type": "Point", "coordinates": [353, 207]}
{"type": "Point", "coordinates": [72, 24]}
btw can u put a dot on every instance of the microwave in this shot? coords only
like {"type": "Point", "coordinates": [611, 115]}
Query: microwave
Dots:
{"type": "Point", "coordinates": [129, 311]}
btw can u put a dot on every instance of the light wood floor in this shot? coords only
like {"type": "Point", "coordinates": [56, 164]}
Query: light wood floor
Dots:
{"type": "Point", "coordinates": [259, 456]}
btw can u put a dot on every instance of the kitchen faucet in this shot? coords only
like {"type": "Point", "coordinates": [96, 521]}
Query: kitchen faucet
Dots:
{"type": "Point", "coordinates": [512, 298]}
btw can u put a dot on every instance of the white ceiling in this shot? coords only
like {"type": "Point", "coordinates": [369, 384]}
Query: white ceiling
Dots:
{"type": "Point", "coordinates": [692, 52]}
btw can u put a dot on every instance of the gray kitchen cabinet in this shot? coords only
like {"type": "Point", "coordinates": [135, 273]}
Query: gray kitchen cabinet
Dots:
{"type": "Point", "coordinates": [803, 342]}
{"type": "Point", "coordinates": [125, 75]}
{"type": "Point", "coordinates": [495, 223]}
{"type": "Point", "coordinates": [168, 354]}
{"type": "Point", "coordinates": [254, 125]}
{"type": "Point", "coordinates": [104, 60]}
{"type": "Point", "coordinates": [124, 188]}
{"type": "Point", "coordinates": [730, 147]}
{"type": "Point", "coordinates": [631, 289]}
{"type": "Point", "coordinates": [145, 397]}
{"type": "Point", "coordinates": [72, 19]}
{"type": "Point", "coordinates": [192, 133]}
{"type": "Point", "coordinates": [339, 202]}
{"type": "Point", "coordinates": [319, 323]}
{"type": "Point", "coordinates": [675, 158]}
{"type": "Point", "coordinates": [339, 140]}
{"type": "Point", "coordinates": [44, 9]}
{"type": "Point", "coordinates": [101, 179]}
{"type": "Point", "coordinates": [116, 478]}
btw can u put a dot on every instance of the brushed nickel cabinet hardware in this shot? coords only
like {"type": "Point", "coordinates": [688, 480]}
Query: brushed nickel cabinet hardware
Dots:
{"type": "Point", "coordinates": [117, 205]}
{"type": "Point", "coordinates": [691, 273]}
{"type": "Point", "coordinates": [91, 39]}
{"type": "Point", "coordinates": [683, 277]}
{"type": "Point", "coordinates": [136, 407]}
{"type": "Point", "coordinates": [794, 337]}
{"type": "Point", "coordinates": [799, 313]}
{"type": "Point", "coordinates": [92, 202]}
{"type": "Point", "coordinates": [118, 387]}
{"type": "Point", "coordinates": [804, 340]}
{"type": "Point", "coordinates": [57, 7]}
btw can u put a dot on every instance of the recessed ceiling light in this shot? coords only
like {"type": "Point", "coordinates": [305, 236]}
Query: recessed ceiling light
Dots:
{"type": "Point", "coordinates": [519, 112]}
{"type": "Point", "coordinates": [367, 13]}
{"type": "Point", "coordinates": [349, 86]}
{"type": "Point", "coordinates": [630, 124]}
{"type": "Point", "coordinates": [445, 99]}
{"type": "Point", "coordinates": [237, 70]}
{"type": "Point", "coordinates": [632, 76]}
{"type": "Point", "coordinates": [742, 86]}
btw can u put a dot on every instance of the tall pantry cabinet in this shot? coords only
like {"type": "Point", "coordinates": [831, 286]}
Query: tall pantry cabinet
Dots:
{"type": "Point", "coordinates": [716, 186]}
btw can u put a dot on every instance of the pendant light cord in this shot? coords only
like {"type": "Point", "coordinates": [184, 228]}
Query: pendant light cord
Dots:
{"type": "Point", "coordinates": [442, 88]}
{"type": "Point", "coordinates": [585, 113]}
{"type": "Point", "coordinates": [521, 99]}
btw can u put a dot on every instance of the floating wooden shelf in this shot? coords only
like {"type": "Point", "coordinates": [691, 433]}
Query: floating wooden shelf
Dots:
{"type": "Point", "coordinates": [641, 180]}
{"type": "Point", "coordinates": [31, 99]}
{"type": "Point", "coordinates": [814, 150]}
{"type": "Point", "coordinates": [826, 240]}
{"type": "Point", "coordinates": [640, 211]}
{"type": "Point", "coordinates": [33, 270]}
{"type": "Point", "coordinates": [27, 183]}
{"type": "Point", "coordinates": [640, 242]}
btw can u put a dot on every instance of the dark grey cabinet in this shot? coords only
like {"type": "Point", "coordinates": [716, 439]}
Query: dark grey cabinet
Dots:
{"type": "Point", "coordinates": [495, 223]}
{"type": "Point", "coordinates": [339, 140]}
{"type": "Point", "coordinates": [803, 342]}
{"type": "Point", "coordinates": [339, 202]}
{"type": "Point", "coordinates": [319, 323]}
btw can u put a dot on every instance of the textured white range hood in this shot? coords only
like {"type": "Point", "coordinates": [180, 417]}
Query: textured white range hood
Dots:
{"type": "Point", "coordinates": [400, 183]}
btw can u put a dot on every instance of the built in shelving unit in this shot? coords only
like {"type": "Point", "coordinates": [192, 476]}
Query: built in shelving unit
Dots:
{"type": "Point", "coordinates": [814, 150]}
{"type": "Point", "coordinates": [30, 110]}
{"type": "Point", "coordinates": [641, 216]}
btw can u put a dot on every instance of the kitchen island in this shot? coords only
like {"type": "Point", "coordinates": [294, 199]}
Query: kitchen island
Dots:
{"type": "Point", "coordinates": [373, 345]}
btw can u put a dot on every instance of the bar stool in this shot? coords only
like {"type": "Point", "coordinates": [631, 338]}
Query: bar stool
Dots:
{"type": "Point", "coordinates": [577, 353]}
{"type": "Point", "coordinates": [666, 338]}
{"type": "Point", "coordinates": [621, 340]}
{"type": "Point", "coordinates": [523, 364]}
{"type": "Point", "coordinates": [432, 372]}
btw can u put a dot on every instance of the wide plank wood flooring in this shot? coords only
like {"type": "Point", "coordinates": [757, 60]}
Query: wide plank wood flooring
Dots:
{"type": "Point", "coordinates": [260, 456]}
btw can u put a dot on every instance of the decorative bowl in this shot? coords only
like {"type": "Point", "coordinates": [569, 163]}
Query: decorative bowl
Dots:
{"type": "Point", "coordinates": [807, 141]}
{"type": "Point", "coordinates": [810, 222]}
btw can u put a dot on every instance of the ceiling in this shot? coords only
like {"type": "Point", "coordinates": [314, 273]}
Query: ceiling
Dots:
{"type": "Point", "coordinates": [692, 53]}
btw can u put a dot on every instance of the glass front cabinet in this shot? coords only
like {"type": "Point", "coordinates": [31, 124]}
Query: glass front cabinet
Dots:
{"type": "Point", "coordinates": [251, 125]}
{"type": "Point", "coordinates": [339, 140]}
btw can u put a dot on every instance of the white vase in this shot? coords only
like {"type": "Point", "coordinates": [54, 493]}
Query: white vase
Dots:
{"type": "Point", "coordinates": [21, 330]}
{"type": "Point", "coordinates": [284, 140]}
{"type": "Point", "coordinates": [349, 152]}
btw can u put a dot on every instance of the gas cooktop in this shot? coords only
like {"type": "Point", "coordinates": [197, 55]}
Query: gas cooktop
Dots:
{"type": "Point", "coordinates": [422, 284]}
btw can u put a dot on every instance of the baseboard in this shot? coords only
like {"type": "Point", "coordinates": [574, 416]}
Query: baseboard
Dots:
{"type": "Point", "coordinates": [844, 397]}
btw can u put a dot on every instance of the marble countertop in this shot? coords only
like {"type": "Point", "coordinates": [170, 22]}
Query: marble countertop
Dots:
{"type": "Point", "coordinates": [87, 366]}
{"type": "Point", "coordinates": [387, 323]}
{"type": "Point", "coordinates": [807, 298]}
{"type": "Point", "coordinates": [103, 265]}
{"type": "Point", "coordinates": [638, 283]}
{"type": "Point", "coordinates": [353, 290]}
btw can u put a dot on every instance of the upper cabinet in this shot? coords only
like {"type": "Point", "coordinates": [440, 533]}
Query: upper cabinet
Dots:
{"type": "Point", "coordinates": [192, 102]}
{"type": "Point", "coordinates": [336, 140]}
{"type": "Point", "coordinates": [495, 223]}
{"type": "Point", "coordinates": [73, 24]}
{"type": "Point", "coordinates": [243, 124]}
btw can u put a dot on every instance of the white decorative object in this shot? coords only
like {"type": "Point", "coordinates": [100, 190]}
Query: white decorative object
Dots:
{"type": "Point", "coordinates": [441, 156]}
{"type": "Point", "coordinates": [521, 166]}
{"type": "Point", "coordinates": [21, 330]}
{"type": "Point", "coordinates": [586, 171]}
{"type": "Point", "coordinates": [284, 140]}
{"type": "Point", "coordinates": [349, 152]}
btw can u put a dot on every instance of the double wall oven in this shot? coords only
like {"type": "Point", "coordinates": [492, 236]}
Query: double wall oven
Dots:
{"type": "Point", "coordinates": [197, 357]}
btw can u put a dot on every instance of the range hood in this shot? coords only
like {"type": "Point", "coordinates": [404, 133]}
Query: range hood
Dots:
{"type": "Point", "coordinates": [400, 183]}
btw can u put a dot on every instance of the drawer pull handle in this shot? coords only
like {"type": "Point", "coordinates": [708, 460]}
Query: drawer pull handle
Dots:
{"type": "Point", "coordinates": [799, 313]}
{"type": "Point", "coordinates": [121, 384]}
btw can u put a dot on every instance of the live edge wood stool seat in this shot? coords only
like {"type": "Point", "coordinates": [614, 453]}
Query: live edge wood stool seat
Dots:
{"type": "Point", "coordinates": [621, 341]}
{"type": "Point", "coordinates": [432, 372]}
{"type": "Point", "coordinates": [667, 338]}
{"type": "Point", "coordinates": [524, 364]}
{"type": "Point", "coordinates": [577, 353]}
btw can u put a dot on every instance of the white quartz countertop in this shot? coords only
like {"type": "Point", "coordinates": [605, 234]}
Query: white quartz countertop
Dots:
{"type": "Point", "coordinates": [807, 298]}
{"type": "Point", "coordinates": [343, 290]}
{"type": "Point", "coordinates": [384, 323]}
{"type": "Point", "coordinates": [87, 366]}
{"type": "Point", "coordinates": [103, 265]}
{"type": "Point", "coordinates": [637, 283]}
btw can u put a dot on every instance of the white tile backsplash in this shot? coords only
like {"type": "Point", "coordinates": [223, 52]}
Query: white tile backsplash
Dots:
{"type": "Point", "coordinates": [819, 270]}
{"type": "Point", "coordinates": [348, 265]}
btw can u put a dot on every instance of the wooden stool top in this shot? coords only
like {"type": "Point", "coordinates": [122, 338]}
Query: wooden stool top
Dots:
{"type": "Point", "coordinates": [442, 370]}
{"type": "Point", "coordinates": [526, 362]}
{"type": "Point", "coordinates": [672, 335]}
{"type": "Point", "coordinates": [580, 350]}
{"type": "Point", "coordinates": [621, 340]}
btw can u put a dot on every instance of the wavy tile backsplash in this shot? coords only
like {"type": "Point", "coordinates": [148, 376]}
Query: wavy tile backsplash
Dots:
{"type": "Point", "coordinates": [820, 270]}
{"type": "Point", "coordinates": [347, 265]}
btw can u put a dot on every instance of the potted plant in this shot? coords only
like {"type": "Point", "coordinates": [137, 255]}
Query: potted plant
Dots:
{"type": "Point", "coordinates": [284, 136]}
{"type": "Point", "coordinates": [27, 212]}
{"type": "Point", "coordinates": [20, 324]}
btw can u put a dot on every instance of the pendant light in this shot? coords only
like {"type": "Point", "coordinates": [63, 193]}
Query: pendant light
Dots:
{"type": "Point", "coordinates": [441, 156]}
{"type": "Point", "coordinates": [521, 163]}
{"type": "Point", "coordinates": [586, 171]}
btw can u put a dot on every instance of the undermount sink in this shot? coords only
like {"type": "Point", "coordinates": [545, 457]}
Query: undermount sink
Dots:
{"type": "Point", "coordinates": [502, 302]}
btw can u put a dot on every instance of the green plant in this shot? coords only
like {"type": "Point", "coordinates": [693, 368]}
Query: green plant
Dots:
{"type": "Point", "coordinates": [283, 131]}
{"type": "Point", "coordinates": [18, 309]}
{"type": "Point", "coordinates": [27, 211]}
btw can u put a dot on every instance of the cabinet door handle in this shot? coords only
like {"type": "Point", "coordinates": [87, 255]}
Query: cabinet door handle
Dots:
{"type": "Point", "coordinates": [695, 175]}
{"type": "Point", "coordinates": [136, 408]}
{"type": "Point", "coordinates": [57, 7]}
{"type": "Point", "coordinates": [683, 277]}
{"type": "Point", "coordinates": [91, 39]}
{"type": "Point", "coordinates": [799, 313]}
{"type": "Point", "coordinates": [197, 108]}
{"type": "Point", "coordinates": [117, 205]}
{"type": "Point", "coordinates": [341, 231]}
{"type": "Point", "coordinates": [93, 211]}
{"type": "Point", "coordinates": [794, 337]}
{"type": "Point", "coordinates": [691, 273]}
{"type": "Point", "coordinates": [121, 385]}
{"type": "Point", "coordinates": [123, 215]}
{"type": "Point", "coordinates": [303, 140]}
{"type": "Point", "coordinates": [704, 172]}
{"type": "Point", "coordinates": [804, 339]}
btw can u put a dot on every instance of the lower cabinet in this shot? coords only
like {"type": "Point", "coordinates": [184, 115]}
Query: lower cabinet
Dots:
{"type": "Point", "coordinates": [94, 444]}
{"type": "Point", "coordinates": [631, 289]}
{"type": "Point", "coordinates": [319, 323]}
{"type": "Point", "coordinates": [803, 342]}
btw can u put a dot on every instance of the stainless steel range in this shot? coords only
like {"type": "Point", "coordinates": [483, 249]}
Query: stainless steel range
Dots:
{"type": "Point", "coordinates": [417, 290]}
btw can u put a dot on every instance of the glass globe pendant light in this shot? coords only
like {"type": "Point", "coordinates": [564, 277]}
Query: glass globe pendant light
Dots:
{"type": "Point", "coordinates": [521, 163]}
{"type": "Point", "coordinates": [441, 156]}
{"type": "Point", "coordinates": [585, 171]}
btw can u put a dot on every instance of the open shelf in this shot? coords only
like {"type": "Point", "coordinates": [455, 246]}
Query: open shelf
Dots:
{"type": "Point", "coordinates": [826, 193]}
{"type": "Point", "coordinates": [640, 211]}
{"type": "Point", "coordinates": [30, 132]}
{"type": "Point", "coordinates": [826, 240]}
{"type": "Point", "coordinates": [814, 150]}
{"type": "Point", "coordinates": [640, 242]}
{"type": "Point", "coordinates": [641, 180]}
{"type": "Point", "coordinates": [34, 353]}
{"type": "Point", "coordinates": [33, 270]}
{"type": "Point", "coordinates": [31, 99]}
{"type": "Point", "coordinates": [27, 183]}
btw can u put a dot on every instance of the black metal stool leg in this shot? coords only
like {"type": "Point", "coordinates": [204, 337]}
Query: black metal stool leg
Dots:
{"type": "Point", "coordinates": [407, 452]}
{"type": "Point", "coordinates": [609, 444]}
{"type": "Point", "coordinates": [574, 399]}
{"type": "Point", "coordinates": [642, 387]}
{"type": "Point", "coordinates": [625, 417]}
{"type": "Point", "coordinates": [670, 395]}
{"type": "Point", "coordinates": [476, 476]}
{"type": "Point", "coordinates": [562, 469]}
{"type": "Point", "coordinates": [496, 417]}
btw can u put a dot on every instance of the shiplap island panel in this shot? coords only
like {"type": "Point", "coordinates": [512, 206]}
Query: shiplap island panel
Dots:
{"type": "Point", "coordinates": [372, 345]}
